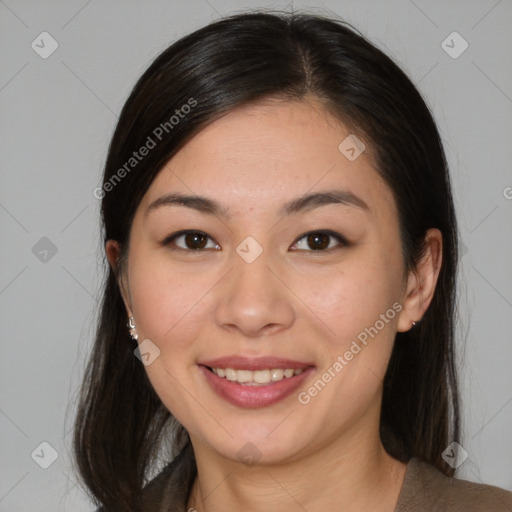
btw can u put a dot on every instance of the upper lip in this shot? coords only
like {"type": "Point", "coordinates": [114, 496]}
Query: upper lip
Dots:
{"type": "Point", "coordinates": [254, 363]}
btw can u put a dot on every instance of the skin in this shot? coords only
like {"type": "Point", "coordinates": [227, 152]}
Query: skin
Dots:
{"type": "Point", "coordinates": [292, 301]}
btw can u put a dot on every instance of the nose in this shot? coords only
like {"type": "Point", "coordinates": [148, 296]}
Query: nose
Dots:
{"type": "Point", "coordinates": [253, 300]}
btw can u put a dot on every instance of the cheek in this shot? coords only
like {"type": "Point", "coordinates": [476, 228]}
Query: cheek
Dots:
{"type": "Point", "coordinates": [357, 304]}
{"type": "Point", "coordinates": [168, 310]}
{"type": "Point", "coordinates": [166, 302]}
{"type": "Point", "coordinates": [354, 296]}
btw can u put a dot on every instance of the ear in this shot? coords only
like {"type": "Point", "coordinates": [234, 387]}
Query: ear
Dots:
{"type": "Point", "coordinates": [113, 250]}
{"type": "Point", "coordinates": [421, 282]}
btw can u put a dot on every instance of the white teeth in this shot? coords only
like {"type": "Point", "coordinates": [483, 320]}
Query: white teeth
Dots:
{"type": "Point", "coordinates": [253, 378]}
{"type": "Point", "coordinates": [244, 375]}
{"type": "Point", "coordinates": [261, 376]}
{"type": "Point", "coordinates": [230, 374]}
{"type": "Point", "coordinates": [277, 374]}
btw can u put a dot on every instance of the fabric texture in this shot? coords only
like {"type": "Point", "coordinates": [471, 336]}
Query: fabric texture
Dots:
{"type": "Point", "coordinates": [425, 489]}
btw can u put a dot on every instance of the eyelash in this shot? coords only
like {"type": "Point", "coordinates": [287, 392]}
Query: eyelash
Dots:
{"type": "Point", "coordinates": [342, 241]}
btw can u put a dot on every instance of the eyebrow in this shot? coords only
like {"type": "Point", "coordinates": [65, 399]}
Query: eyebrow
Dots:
{"type": "Point", "coordinates": [295, 206]}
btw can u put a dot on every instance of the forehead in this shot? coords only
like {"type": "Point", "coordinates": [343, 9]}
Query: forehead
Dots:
{"type": "Point", "coordinates": [265, 154]}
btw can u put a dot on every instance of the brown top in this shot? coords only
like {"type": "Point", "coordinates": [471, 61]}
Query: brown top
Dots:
{"type": "Point", "coordinates": [425, 489]}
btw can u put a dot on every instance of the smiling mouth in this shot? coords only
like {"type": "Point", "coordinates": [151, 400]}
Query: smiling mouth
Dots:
{"type": "Point", "coordinates": [257, 377]}
{"type": "Point", "coordinates": [255, 385]}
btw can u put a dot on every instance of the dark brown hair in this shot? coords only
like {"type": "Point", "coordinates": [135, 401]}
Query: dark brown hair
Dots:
{"type": "Point", "coordinates": [121, 422]}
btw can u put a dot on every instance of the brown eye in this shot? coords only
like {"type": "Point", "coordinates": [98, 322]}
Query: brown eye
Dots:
{"type": "Point", "coordinates": [195, 240]}
{"type": "Point", "coordinates": [191, 241]}
{"type": "Point", "coordinates": [319, 241]}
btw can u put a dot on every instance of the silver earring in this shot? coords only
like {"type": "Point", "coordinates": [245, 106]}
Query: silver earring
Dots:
{"type": "Point", "coordinates": [413, 323]}
{"type": "Point", "coordinates": [131, 327]}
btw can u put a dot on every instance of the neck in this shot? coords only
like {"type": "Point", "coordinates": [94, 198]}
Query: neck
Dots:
{"type": "Point", "coordinates": [350, 473]}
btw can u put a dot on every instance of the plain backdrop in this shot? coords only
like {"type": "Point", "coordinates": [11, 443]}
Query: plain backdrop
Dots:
{"type": "Point", "coordinates": [57, 117]}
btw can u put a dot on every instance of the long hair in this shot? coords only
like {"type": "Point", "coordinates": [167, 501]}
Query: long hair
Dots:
{"type": "Point", "coordinates": [120, 422]}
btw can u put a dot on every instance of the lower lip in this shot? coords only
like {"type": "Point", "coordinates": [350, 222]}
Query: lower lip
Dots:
{"type": "Point", "coordinates": [255, 396]}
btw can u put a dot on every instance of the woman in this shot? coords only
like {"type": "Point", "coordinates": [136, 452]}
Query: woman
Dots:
{"type": "Point", "coordinates": [277, 326]}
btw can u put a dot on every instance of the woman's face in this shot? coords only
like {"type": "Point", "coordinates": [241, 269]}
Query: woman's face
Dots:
{"type": "Point", "coordinates": [252, 285]}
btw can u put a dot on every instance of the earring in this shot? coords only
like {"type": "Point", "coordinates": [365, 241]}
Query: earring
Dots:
{"type": "Point", "coordinates": [131, 327]}
{"type": "Point", "coordinates": [413, 323]}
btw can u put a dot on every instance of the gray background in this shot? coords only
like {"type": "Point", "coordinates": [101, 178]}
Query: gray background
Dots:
{"type": "Point", "coordinates": [57, 117]}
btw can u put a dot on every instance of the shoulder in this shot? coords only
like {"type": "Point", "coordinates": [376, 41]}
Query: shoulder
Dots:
{"type": "Point", "coordinates": [425, 488]}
